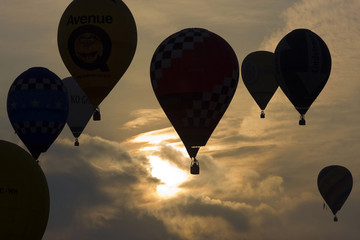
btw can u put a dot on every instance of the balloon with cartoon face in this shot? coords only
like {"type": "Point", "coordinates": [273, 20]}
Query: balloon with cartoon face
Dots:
{"type": "Point", "coordinates": [97, 42]}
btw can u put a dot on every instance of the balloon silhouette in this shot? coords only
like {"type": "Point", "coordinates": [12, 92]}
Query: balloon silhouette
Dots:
{"type": "Point", "coordinates": [80, 108]}
{"type": "Point", "coordinates": [37, 106]}
{"type": "Point", "coordinates": [97, 42]}
{"type": "Point", "coordinates": [303, 64]}
{"type": "Point", "coordinates": [257, 71]}
{"type": "Point", "coordinates": [335, 184]}
{"type": "Point", "coordinates": [194, 74]}
{"type": "Point", "coordinates": [24, 195]}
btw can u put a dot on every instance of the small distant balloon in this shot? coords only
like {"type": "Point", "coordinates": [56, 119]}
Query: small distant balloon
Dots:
{"type": "Point", "coordinates": [80, 108]}
{"type": "Point", "coordinates": [303, 65]}
{"type": "Point", "coordinates": [97, 41]}
{"type": "Point", "coordinates": [335, 184]}
{"type": "Point", "coordinates": [38, 107]}
{"type": "Point", "coordinates": [24, 195]}
{"type": "Point", "coordinates": [257, 71]}
{"type": "Point", "coordinates": [194, 75]}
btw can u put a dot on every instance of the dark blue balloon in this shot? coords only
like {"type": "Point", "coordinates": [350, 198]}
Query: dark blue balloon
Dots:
{"type": "Point", "coordinates": [303, 65]}
{"type": "Point", "coordinates": [37, 106]}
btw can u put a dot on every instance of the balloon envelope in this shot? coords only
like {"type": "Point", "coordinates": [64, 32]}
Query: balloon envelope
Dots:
{"type": "Point", "coordinates": [303, 64]}
{"type": "Point", "coordinates": [335, 184]}
{"type": "Point", "coordinates": [24, 195]}
{"type": "Point", "coordinates": [97, 41]}
{"type": "Point", "coordinates": [194, 74]}
{"type": "Point", "coordinates": [257, 71]}
{"type": "Point", "coordinates": [37, 106]}
{"type": "Point", "coordinates": [80, 108]}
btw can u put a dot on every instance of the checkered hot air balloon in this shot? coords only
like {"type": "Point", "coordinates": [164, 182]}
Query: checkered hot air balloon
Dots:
{"type": "Point", "coordinates": [335, 184]}
{"type": "Point", "coordinates": [194, 74]}
{"type": "Point", "coordinates": [37, 106]}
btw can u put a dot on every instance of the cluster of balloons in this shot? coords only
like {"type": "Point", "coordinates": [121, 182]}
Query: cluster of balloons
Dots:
{"type": "Point", "coordinates": [97, 42]}
{"type": "Point", "coordinates": [300, 65]}
{"type": "Point", "coordinates": [194, 74]}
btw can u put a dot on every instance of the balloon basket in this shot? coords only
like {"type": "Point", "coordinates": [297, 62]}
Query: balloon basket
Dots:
{"type": "Point", "coordinates": [262, 114]}
{"type": "Point", "coordinates": [195, 167]}
{"type": "Point", "coordinates": [302, 120]}
{"type": "Point", "coordinates": [96, 115]}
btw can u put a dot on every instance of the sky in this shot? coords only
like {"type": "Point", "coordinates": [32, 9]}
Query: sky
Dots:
{"type": "Point", "coordinates": [129, 178]}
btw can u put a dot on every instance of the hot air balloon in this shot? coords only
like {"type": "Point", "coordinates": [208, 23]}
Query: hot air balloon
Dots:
{"type": "Point", "coordinates": [303, 64]}
{"type": "Point", "coordinates": [257, 71]}
{"type": "Point", "coordinates": [194, 74]}
{"type": "Point", "coordinates": [335, 184]}
{"type": "Point", "coordinates": [24, 195]}
{"type": "Point", "coordinates": [80, 108]}
{"type": "Point", "coordinates": [97, 41]}
{"type": "Point", "coordinates": [37, 106]}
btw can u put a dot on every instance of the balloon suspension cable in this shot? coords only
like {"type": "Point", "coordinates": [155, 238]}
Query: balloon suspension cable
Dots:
{"type": "Point", "coordinates": [76, 142]}
{"type": "Point", "coordinates": [302, 120]}
{"type": "Point", "coordinates": [262, 114]}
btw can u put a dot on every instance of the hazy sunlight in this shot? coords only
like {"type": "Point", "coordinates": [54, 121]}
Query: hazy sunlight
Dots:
{"type": "Point", "coordinates": [171, 177]}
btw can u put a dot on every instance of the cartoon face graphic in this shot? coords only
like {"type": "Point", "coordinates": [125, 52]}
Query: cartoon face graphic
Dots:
{"type": "Point", "coordinates": [90, 47]}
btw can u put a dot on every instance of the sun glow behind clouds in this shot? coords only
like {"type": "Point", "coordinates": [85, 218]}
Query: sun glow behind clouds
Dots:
{"type": "Point", "coordinates": [157, 136]}
{"type": "Point", "coordinates": [171, 177]}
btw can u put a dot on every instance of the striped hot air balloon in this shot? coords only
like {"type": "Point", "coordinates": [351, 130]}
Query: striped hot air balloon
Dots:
{"type": "Point", "coordinates": [335, 184]}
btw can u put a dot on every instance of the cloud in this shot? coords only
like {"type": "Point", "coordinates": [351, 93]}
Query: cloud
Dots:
{"type": "Point", "coordinates": [258, 176]}
{"type": "Point", "coordinates": [145, 117]}
{"type": "Point", "coordinates": [97, 190]}
{"type": "Point", "coordinates": [336, 22]}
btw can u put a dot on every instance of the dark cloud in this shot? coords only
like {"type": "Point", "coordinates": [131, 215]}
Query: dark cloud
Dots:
{"type": "Point", "coordinates": [196, 207]}
{"type": "Point", "coordinates": [91, 201]}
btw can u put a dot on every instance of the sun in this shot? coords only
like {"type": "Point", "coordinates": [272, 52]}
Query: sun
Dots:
{"type": "Point", "coordinates": [170, 176]}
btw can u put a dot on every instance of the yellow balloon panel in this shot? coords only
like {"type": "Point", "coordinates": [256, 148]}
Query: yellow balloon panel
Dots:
{"type": "Point", "coordinates": [24, 195]}
{"type": "Point", "coordinates": [97, 41]}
